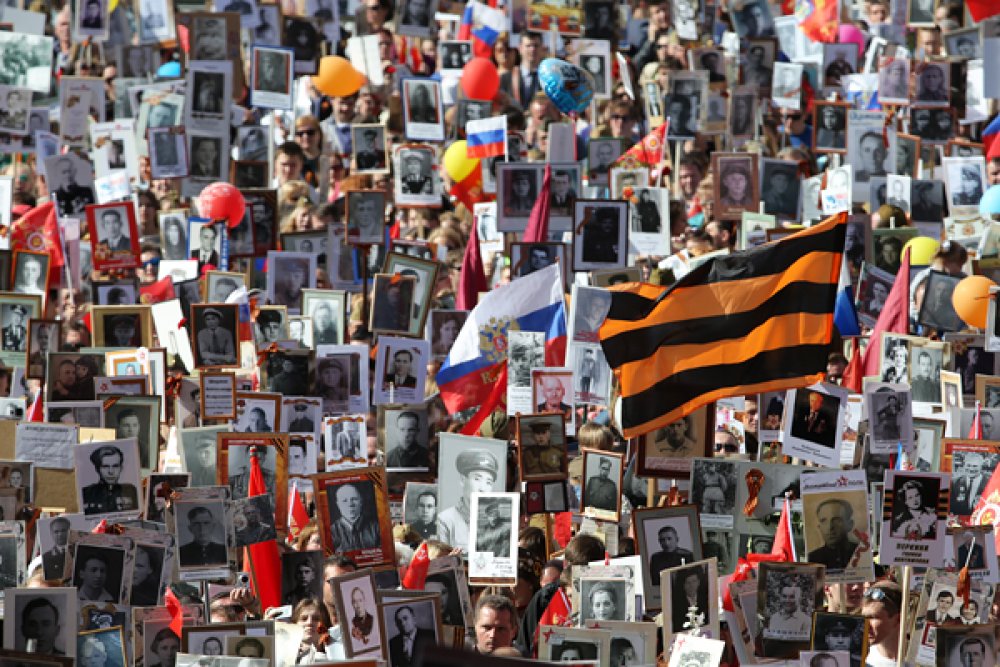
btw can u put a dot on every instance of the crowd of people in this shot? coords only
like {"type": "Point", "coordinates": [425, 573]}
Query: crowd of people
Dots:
{"type": "Point", "coordinates": [247, 438]}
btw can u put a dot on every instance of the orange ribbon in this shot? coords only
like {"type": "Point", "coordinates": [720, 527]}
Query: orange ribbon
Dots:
{"type": "Point", "coordinates": [755, 480]}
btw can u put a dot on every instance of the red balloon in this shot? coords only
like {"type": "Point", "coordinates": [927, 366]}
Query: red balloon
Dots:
{"type": "Point", "coordinates": [222, 201]}
{"type": "Point", "coordinates": [480, 80]}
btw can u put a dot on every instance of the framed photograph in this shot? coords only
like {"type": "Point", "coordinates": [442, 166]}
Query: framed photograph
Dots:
{"type": "Point", "coordinates": [365, 219]}
{"type": "Point", "coordinates": [936, 310]}
{"type": "Point", "coordinates": [122, 326]}
{"type": "Point", "coordinates": [420, 510]}
{"type": "Point", "coordinates": [422, 112]}
{"type": "Point", "coordinates": [965, 181]}
{"type": "Point", "coordinates": [814, 423]}
{"type": "Point", "coordinates": [518, 186]}
{"type": "Point", "coordinates": [526, 258]}
{"type": "Point", "coordinates": [71, 375]}
{"type": "Point", "coordinates": [782, 189]}
{"type": "Point", "coordinates": [743, 112]}
{"type": "Point", "coordinates": [326, 310]}
{"type": "Point", "coordinates": [894, 80]}
{"type": "Point", "coordinates": [218, 395]}
{"type": "Point", "coordinates": [914, 511]}
{"type": "Point", "coordinates": [370, 149]}
{"type": "Point", "coordinates": [934, 125]}
{"type": "Point", "coordinates": [354, 509]}
{"type": "Point", "coordinates": [667, 452]}
{"type": "Point", "coordinates": [562, 644]}
{"type": "Point", "coordinates": [666, 537]}
{"type": "Point", "coordinates": [465, 465]}
{"type": "Point", "coordinates": [964, 43]}
{"type": "Point", "coordinates": [136, 417]}
{"type": "Point", "coordinates": [885, 247]}
{"type": "Point", "coordinates": [401, 368]}
{"type": "Point", "coordinates": [685, 103]}
{"type": "Point", "coordinates": [272, 77]}
{"type": "Point", "coordinates": [786, 91]}
{"type": "Point", "coordinates": [692, 589]}
{"type": "Point", "coordinates": [602, 483]}
{"type": "Point", "coordinates": [33, 607]}
{"type": "Point", "coordinates": [214, 329]}
{"type": "Point", "coordinates": [962, 644]}
{"type": "Point", "coordinates": [443, 327]}
{"type": "Point", "coordinates": [417, 184]}
{"type": "Point", "coordinates": [420, 616]}
{"type": "Point", "coordinates": [830, 126]}
{"type": "Point", "coordinates": [541, 446]}
{"type": "Point", "coordinates": [787, 595]}
{"type": "Point", "coordinates": [468, 110]}
{"type": "Point", "coordinates": [288, 372]}
{"type": "Point", "coordinates": [493, 539]}
{"type": "Point", "coordinates": [840, 632]}
{"type": "Point", "coordinates": [920, 14]}
{"type": "Point", "coordinates": [454, 55]}
{"type": "Point", "coordinates": [288, 274]}
{"type": "Point", "coordinates": [601, 155]}
{"type": "Point", "coordinates": [44, 336]}
{"type": "Point", "coordinates": [356, 599]}
{"type": "Point", "coordinates": [601, 240]}
{"type": "Point", "coordinates": [736, 188]}
{"type": "Point", "coordinates": [933, 83]}
{"type": "Point", "coordinates": [15, 312]}
{"type": "Point", "coordinates": [114, 236]}
{"type": "Point", "coordinates": [972, 463]}
{"type": "Point", "coordinates": [220, 284]}
{"type": "Point", "coordinates": [835, 507]}
{"type": "Point", "coordinates": [405, 433]}
{"type": "Point", "coordinates": [839, 60]}
{"type": "Point", "coordinates": [102, 571]}
{"type": "Point", "coordinates": [594, 57]}
{"type": "Point", "coordinates": [425, 274]}
{"type": "Point", "coordinates": [927, 201]}
{"type": "Point", "coordinates": [205, 639]}
{"type": "Point", "coordinates": [168, 156]}
{"type": "Point", "coordinates": [247, 174]}
{"type": "Point", "coordinates": [301, 34]}
{"type": "Point", "coordinates": [108, 477]}
{"type": "Point", "coordinates": [233, 453]}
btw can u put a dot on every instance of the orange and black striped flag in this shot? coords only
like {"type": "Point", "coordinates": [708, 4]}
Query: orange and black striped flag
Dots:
{"type": "Point", "coordinates": [753, 321]}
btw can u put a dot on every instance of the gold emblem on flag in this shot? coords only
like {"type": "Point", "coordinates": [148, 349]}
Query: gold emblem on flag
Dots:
{"type": "Point", "coordinates": [493, 338]}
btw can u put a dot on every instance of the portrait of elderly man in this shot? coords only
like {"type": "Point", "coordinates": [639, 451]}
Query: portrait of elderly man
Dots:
{"type": "Point", "coordinates": [354, 523]}
{"type": "Point", "coordinates": [203, 550]}
{"type": "Point", "coordinates": [835, 522]}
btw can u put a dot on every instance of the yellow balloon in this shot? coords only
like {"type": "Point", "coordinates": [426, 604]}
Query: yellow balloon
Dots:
{"type": "Point", "coordinates": [337, 77]}
{"type": "Point", "coordinates": [112, 6]}
{"type": "Point", "coordinates": [922, 249]}
{"type": "Point", "coordinates": [457, 164]}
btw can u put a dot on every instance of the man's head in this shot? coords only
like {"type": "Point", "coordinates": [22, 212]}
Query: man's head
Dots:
{"type": "Point", "coordinates": [202, 524]}
{"type": "Point", "coordinates": [128, 424]}
{"type": "Point", "coordinates": [496, 623]}
{"type": "Point", "coordinates": [111, 221]}
{"type": "Point", "coordinates": [872, 151]}
{"type": "Point", "coordinates": [249, 647]}
{"type": "Point", "coordinates": [92, 572]}
{"type": "Point", "coordinates": [402, 362]}
{"type": "Point", "coordinates": [815, 401]}
{"type": "Point", "coordinates": [406, 621]}
{"type": "Point", "coordinates": [358, 602]}
{"type": "Point", "coordinates": [478, 469]}
{"type": "Point", "coordinates": [427, 506]}
{"type": "Point", "coordinates": [944, 601]}
{"type": "Point", "coordinates": [40, 622]}
{"type": "Point", "coordinates": [348, 500]}
{"type": "Point", "coordinates": [408, 424]}
{"type": "Point", "coordinates": [791, 595]}
{"type": "Point", "coordinates": [972, 652]}
{"type": "Point", "coordinates": [835, 520]}
{"type": "Point", "coordinates": [552, 390]}
{"type": "Point", "coordinates": [59, 529]}
{"type": "Point", "coordinates": [668, 538]}
{"type": "Point", "coordinates": [107, 461]}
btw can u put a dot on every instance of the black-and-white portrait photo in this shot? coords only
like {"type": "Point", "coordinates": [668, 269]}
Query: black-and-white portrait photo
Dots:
{"type": "Point", "coordinates": [272, 70]}
{"type": "Point", "coordinates": [601, 241]}
{"type": "Point", "coordinates": [517, 189]}
{"type": "Point", "coordinates": [936, 310]}
{"type": "Point", "coordinates": [466, 110]}
{"type": "Point", "coordinates": [601, 156]}
{"type": "Point", "coordinates": [422, 110]}
{"type": "Point", "coordinates": [289, 274]}
{"type": "Point", "coordinates": [787, 599]}
{"type": "Point", "coordinates": [602, 482]}
{"type": "Point", "coordinates": [410, 626]}
{"type": "Point", "coordinates": [786, 90]}
{"type": "Point", "coordinates": [815, 417]}
{"type": "Point", "coordinates": [353, 515]}
{"type": "Point", "coordinates": [420, 507]}
{"type": "Point", "coordinates": [406, 438]}
{"type": "Point", "coordinates": [253, 520]}
{"type": "Point", "coordinates": [206, 156]}
{"type": "Point", "coordinates": [201, 532]}
{"type": "Point", "coordinates": [302, 576]}
{"type": "Point", "coordinates": [914, 508]}
{"type": "Point", "coordinates": [415, 18]}
{"type": "Point", "coordinates": [493, 525]}
{"type": "Point", "coordinates": [965, 179]}
{"type": "Point", "coordinates": [369, 146]}
{"type": "Point", "coordinates": [168, 152]}
{"type": "Point", "coordinates": [365, 216]}
{"type": "Point", "coordinates": [754, 20]}
{"type": "Point", "coordinates": [108, 477]}
{"type": "Point", "coordinates": [31, 272]}
{"type": "Point", "coordinates": [959, 646]}
{"type": "Point", "coordinates": [831, 127]}
{"type": "Point", "coordinates": [920, 12]}
{"type": "Point", "coordinates": [416, 182]}
{"type": "Point", "coordinates": [71, 183]}
{"type": "Point", "coordinates": [839, 60]}
{"type": "Point", "coordinates": [597, 64]}
{"type": "Point", "coordinates": [45, 619]}
{"type": "Point", "coordinates": [889, 413]}
{"type": "Point", "coordinates": [933, 125]}
{"type": "Point", "coordinates": [17, 109]}
{"type": "Point", "coordinates": [964, 43]}
{"type": "Point", "coordinates": [689, 595]}
{"type": "Point", "coordinates": [894, 80]}
{"type": "Point", "coordinates": [971, 471]}
{"type": "Point", "coordinates": [208, 40]}
{"type": "Point", "coordinates": [933, 84]}
{"type": "Point", "coordinates": [215, 334]}
{"type": "Point", "coordinates": [454, 55]}
{"type": "Point", "coordinates": [737, 184]}
{"type": "Point", "coordinates": [252, 143]}
{"type": "Point", "coordinates": [926, 200]}
{"type": "Point", "coordinates": [97, 573]}
{"type": "Point", "coordinates": [781, 189]}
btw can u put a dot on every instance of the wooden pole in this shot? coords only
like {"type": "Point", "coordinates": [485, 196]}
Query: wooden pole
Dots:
{"type": "Point", "coordinates": [901, 646]}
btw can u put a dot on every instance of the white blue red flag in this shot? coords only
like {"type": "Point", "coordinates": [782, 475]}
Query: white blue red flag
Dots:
{"type": "Point", "coordinates": [532, 303]}
{"type": "Point", "coordinates": [486, 137]}
{"type": "Point", "coordinates": [482, 25]}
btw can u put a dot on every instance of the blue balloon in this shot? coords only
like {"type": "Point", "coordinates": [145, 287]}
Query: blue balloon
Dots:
{"type": "Point", "coordinates": [569, 87]}
{"type": "Point", "coordinates": [989, 205]}
{"type": "Point", "coordinates": [169, 70]}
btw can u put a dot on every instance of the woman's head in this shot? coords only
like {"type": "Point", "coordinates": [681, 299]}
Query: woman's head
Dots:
{"type": "Point", "coordinates": [603, 601]}
{"type": "Point", "coordinates": [309, 135]}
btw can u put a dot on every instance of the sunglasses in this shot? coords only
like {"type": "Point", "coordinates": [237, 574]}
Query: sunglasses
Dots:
{"type": "Point", "coordinates": [305, 133]}
{"type": "Point", "coordinates": [876, 594]}
{"type": "Point", "coordinates": [617, 117]}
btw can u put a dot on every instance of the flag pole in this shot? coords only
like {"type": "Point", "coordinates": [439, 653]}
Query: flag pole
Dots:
{"type": "Point", "coordinates": [900, 647]}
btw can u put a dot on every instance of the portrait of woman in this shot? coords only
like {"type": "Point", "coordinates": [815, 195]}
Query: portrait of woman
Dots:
{"type": "Point", "coordinates": [932, 84]}
{"type": "Point", "coordinates": [164, 649]}
{"type": "Point", "coordinates": [604, 603]}
{"type": "Point", "coordinates": [447, 327]}
{"type": "Point", "coordinates": [145, 578]}
{"type": "Point", "coordinates": [174, 238]}
{"type": "Point", "coordinates": [912, 520]}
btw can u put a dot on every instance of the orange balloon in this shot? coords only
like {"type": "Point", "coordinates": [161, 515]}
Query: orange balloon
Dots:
{"type": "Point", "coordinates": [971, 300]}
{"type": "Point", "coordinates": [337, 77]}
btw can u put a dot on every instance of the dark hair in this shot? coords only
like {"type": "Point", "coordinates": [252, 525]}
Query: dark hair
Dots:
{"type": "Point", "coordinates": [291, 149]}
{"type": "Point", "coordinates": [583, 549]}
{"type": "Point", "coordinates": [38, 603]}
{"type": "Point", "coordinates": [107, 450]}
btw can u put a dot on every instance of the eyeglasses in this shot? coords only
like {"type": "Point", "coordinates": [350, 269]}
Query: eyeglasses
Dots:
{"type": "Point", "coordinates": [305, 133]}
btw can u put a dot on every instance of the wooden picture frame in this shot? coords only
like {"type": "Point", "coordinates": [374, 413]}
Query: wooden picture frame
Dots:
{"type": "Point", "coordinates": [552, 462]}
{"type": "Point", "coordinates": [104, 321]}
{"type": "Point", "coordinates": [660, 457]}
{"type": "Point", "coordinates": [594, 484]}
{"type": "Point", "coordinates": [239, 485]}
{"type": "Point", "coordinates": [647, 523]}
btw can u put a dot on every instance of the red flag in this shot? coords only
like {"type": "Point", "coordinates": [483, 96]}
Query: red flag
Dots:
{"type": "Point", "coordinates": [818, 19]}
{"type": "Point", "coordinates": [158, 292]}
{"type": "Point", "coordinates": [38, 231]}
{"type": "Point", "coordinates": [557, 612]}
{"type": "Point", "coordinates": [982, 9]}
{"type": "Point", "coordinates": [100, 528]}
{"type": "Point", "coordinates": [472, 279]}
{"type": "Point", "coordinates": [783, 545]}
{"type": "Point", "coordinates": [416, 573]}
{"type": "Point", "coordinates": [176, 613]}
{"type": "Point", "coordinates": [36, 413]}
{"type": "Point", "coordinates": [297, 515]}
{"type": "Point", "coordinates": [646, 153]}
{"type": "Point", "coordinates": [538, 223]}
{"type": "Point", "coordinates": [895, 318]}
{"type": "Point", "coordinates": [497, 397]}
{"type": "Point", "coordinates": [469, 190]}
{"type": "Point", "coordinates": [263, 561]}
{"type": "Point", "coordinates": [976, 430]}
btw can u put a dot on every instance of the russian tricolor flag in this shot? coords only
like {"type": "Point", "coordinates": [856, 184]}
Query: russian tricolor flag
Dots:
{"type": "Point", "coordinates": [845, 317]}
{"type": "Point", "coordinates": [482, 25]}
{"type": "Point", "coordinates": [532, 303]}
{"type": "Point", "coordinates": [990, 135]}
{"type": "Point", "coordinates": [486, 137]}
